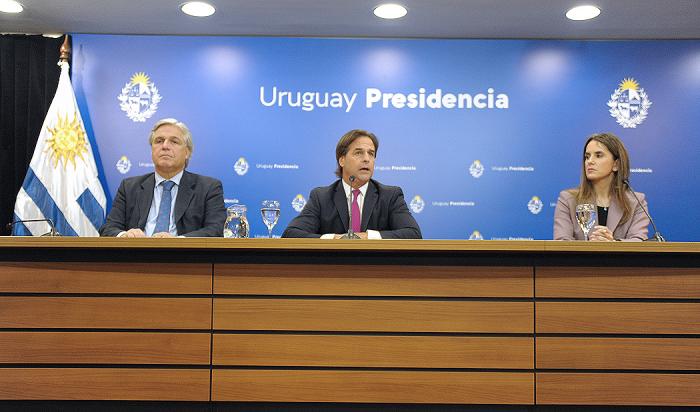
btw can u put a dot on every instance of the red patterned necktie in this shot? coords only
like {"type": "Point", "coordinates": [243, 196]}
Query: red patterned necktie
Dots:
{"type": "Point", "coordinates": [355, 213]}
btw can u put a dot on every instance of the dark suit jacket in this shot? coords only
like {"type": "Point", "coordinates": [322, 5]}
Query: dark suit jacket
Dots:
{"type": "Point", "coordinates": [566, 227]}
{"type": "Point", "coordinates": [326, 211]}
{"type": "Point", "coordinates": [199, 206]}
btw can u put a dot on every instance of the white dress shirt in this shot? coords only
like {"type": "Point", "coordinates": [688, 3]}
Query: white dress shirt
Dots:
{"type": "Point", "coordinates": [371, 234]}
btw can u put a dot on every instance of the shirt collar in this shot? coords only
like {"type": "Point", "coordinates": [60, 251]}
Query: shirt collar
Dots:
{"type": "Point", "coordinates": [348, 188]}
{"type": "Point", "coordinates": [175, 179]}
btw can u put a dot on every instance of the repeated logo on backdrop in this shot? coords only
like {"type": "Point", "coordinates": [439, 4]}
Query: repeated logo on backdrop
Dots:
{"type": "Point", "coordinates": [417, 204]}
{"type": "Point", "coordinates": [535, 205]}
{"type": "Point", "coordinates": [629, 104]}
{"type": "Point", "coordinates": [123, 165]}
{"type": "Point", "coordinates": [298, 202]}
{"type": "Point", "coordinates": [241, 166]}
{"type": "Point", "coordinates": [476, 235]}
{"type": "Point", "coordinates": [476, 169]}
{"type": "Point", "coordinates": [139, 97]}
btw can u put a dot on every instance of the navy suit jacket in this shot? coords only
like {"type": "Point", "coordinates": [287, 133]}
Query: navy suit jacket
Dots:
{"type": "Point", "coordinates": [199, 206]}
{"type": "Point", "coordinates": [384, 210]}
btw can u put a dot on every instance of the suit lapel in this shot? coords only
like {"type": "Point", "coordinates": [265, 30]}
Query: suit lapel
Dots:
{"type": "Point", "coordinates": [614, 215]}
{"type": "Point", "coordinates": [184, 196]}
{"type": "Point", "coordinates": [341, 204]}
{"type": "Point", "coordinates": [371, 197]}
{"type": "Point", "coordinates": [145, 198]}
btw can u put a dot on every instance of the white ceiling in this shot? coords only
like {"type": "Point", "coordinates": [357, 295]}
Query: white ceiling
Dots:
{"type": "Point", "coordinates": [542, 19]}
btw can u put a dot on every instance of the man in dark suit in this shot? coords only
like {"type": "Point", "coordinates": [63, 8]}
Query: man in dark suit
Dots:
{"type": "Point", "coordinates": [378, 211]}
{"type": "Point", "coordinates": [172, 201]}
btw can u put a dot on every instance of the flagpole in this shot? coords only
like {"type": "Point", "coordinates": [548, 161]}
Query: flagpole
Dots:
{"type": "Point", "coordinates": [64, 51]}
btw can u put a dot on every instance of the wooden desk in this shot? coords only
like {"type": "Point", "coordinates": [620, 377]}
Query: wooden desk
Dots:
{"type": "Point", "coordinates": [296, 320]}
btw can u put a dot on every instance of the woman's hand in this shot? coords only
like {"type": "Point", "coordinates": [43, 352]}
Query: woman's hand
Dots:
{"type": "Point", "coordinates": [601, 234]}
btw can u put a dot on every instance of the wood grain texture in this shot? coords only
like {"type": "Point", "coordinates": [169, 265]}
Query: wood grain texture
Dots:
{"type": "Point", "coordinates": [618, 353]}
{"type": "Point", "coordinates": [617, 282]}
{"type": "Point", "coordinates": [104, 384]}
{"type": "Point", "coordinates": [372, 386]}
{"type": "Point", "coordinates": [373, 280]}
{"type": "Point", "coordinates": [618, 317]}
{"type": "Point", "coordinates": [105, 348]}
{"type": "Point", "coordinates": [401, 245]}
{"type": "Point", "coordinates": [373, 351]}
{"type": "Point", "coordinates": [617, 389]}
{"type": "Point", "coordinates": [117, 277]}
{"type": "Point", "coordinates": [105, 312]}
{"type": "Point", "coordinates": [641, 248]}
{"type": "Point", "coordinates": [373, 315]}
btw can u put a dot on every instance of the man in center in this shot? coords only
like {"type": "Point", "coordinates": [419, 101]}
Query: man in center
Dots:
{"type": "Point", "coordinates": [378, 211]}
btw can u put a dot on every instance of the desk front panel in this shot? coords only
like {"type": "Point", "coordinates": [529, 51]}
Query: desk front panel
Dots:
{"type": "Point", "coordinates": [618, 336]}
{"type": "Point", "coordinates": [105, 331]}
{"type": "Point", "coordinates": [417, 334]}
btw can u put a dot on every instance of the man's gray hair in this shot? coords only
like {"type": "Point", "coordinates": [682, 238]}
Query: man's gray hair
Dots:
{"type": "Point", "coordinates": [173, 122]}
{"type": "Point", "coordinates": [180, 125]}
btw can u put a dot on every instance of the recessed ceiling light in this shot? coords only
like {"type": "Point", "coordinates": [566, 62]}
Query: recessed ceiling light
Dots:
{"type": "Point", "coordinates": [10, 6]}
{"type": "Point", "coordinates": [198, 9]}
{"type": "Point", "coordinates": [583, 13]}
{"type": "Point", "coordinates": [52, 35]}
{"type": "Point", "coordinates": [390, 11]}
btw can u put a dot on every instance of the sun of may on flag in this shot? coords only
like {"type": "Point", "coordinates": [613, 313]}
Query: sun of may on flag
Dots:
{"type": "Point", "coordinates": [62, 182]}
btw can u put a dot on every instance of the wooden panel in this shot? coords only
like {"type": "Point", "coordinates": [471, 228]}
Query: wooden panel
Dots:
{"type": "Point", "coordinates": [118, 313]}
{"type": "Point", "coordinates": [617, 282]}
{"type": "Point", "coordinates": [618, 317]}
{"type": "Point", "coordinates": [105, 347]}
{"type": "Point", "coordinates": [372, 386]}
{"type": "Point", "coordinates": [105, 384]}
{"type": "Point", "coordinates": [618, 353]}
{"type": "Point", "coordinates": [617, 389]}
{"type": "Point", "coordinates": [373, 315]}
{"type": "Point", "coordinates": [118, 277]}
{"type": "Point", "coordinates": [373, 351]}
{"type": "Point", "coordinates": [373, 280]}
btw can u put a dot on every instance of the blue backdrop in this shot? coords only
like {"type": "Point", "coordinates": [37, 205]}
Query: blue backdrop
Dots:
{"type": "Point", "coordinates": [481, 134]}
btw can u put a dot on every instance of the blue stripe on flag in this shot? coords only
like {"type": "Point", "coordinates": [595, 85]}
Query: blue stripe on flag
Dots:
{"type": "Point", "coordinates": [41, 197]}
{"type": "Point", "coordinates": [92, 209]}
{"type": "Point", "coordinates": [19, 229]}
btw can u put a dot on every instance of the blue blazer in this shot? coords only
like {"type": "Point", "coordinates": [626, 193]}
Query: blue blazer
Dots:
{"type": "Point", "coordinates": [384, 210]}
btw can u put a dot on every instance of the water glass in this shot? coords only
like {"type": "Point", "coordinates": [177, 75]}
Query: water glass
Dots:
{"type": "Point", "coordinates": [587, 217]}
{"type": "Point", "coordinates": [270, 212]}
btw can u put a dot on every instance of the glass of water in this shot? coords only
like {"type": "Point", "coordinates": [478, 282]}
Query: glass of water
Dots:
{"type": "Point", "coordinates": [270, 211]}
{"type": "Point", "coordinates": [587, 217]}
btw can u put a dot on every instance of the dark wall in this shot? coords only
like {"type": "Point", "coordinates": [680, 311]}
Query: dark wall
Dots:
{"type": "Point", "coordinates": [28, 80]}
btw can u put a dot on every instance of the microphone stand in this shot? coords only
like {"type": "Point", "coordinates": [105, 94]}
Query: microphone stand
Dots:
{"type": "Point", "coordinates": [52, 228]}
{"type": "Point", "coordinates": [351, 234]}
{"type": "Point", "coordinates": [658, 237]}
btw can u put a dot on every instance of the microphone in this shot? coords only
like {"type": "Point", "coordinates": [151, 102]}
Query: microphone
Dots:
{"type": "Point", "coordinates": [351, 234]}
{"type": "Point", "coordinates": [657, 236]}
{"type": "Point", "coordinates": [51, 233]}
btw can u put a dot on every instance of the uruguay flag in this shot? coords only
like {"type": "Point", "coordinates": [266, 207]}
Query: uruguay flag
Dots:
{"type": "Point", "coordinates": [62, 182]}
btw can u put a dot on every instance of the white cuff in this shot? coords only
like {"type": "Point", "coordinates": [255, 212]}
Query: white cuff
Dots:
{"type": "Point", "coordinates": [373, 234]}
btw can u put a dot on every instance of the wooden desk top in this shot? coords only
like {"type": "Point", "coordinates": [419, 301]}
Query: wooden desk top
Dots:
{"type": "Point", "coordinates": [487, 246]}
